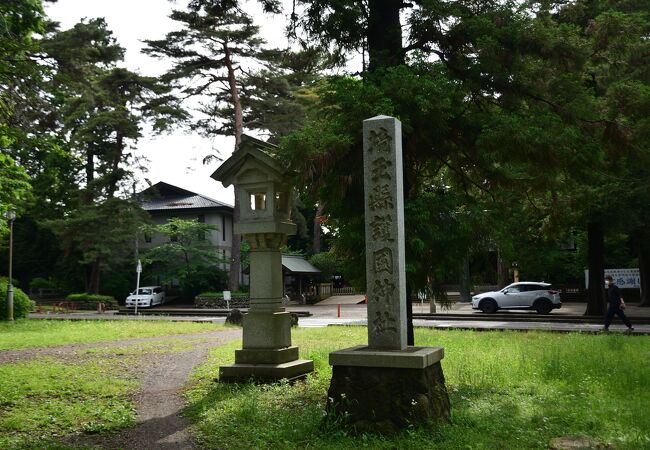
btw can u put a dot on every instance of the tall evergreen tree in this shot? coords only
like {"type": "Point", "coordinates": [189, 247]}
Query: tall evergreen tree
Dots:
{"type": "Point", "coordinates": [503, 111]}
{"type": "Point", "coordinates": [216, 43]}
{"type": "Point", "coordinates": [102, 108]}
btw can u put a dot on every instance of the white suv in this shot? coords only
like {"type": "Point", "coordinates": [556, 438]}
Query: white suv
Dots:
{"type": "Point", "coordinates": [146, 296]}
{"type": "Point", "coordinates": [523, 295]}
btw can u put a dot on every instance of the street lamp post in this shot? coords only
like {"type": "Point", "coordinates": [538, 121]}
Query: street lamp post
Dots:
{"type": "Point", "coordinates": [10, 216]}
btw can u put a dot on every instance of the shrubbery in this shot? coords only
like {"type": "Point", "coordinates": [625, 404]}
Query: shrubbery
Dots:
{"type": "Point", "coordinates": [326, 263]}
{"type": "Point", "coordinates": [22, 303]}
{"type": "Point", "coordinates": [42, 283]}
{"type": "Point", "coordinates": [91, 300]}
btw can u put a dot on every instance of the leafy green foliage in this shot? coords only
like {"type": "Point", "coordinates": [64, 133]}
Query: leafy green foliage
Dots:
{"type": "Point", "coordinates": [42, 283]}
{"type": "Point", "coordinates": [14, 188]}
{"type": "Point", "coordinates": [100, 233]}
{"type": "Point", "coordinates": [327, 263]}
{"type": "Point", "coordinates": [22, 303]}
{"type": "Point", "coordinates": [188, 256]}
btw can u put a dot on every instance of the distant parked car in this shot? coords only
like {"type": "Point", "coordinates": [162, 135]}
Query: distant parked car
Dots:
{"type": "Point", "coordinates": [146, 297]}
{"type": "Point", "coordinates": [523, 295]}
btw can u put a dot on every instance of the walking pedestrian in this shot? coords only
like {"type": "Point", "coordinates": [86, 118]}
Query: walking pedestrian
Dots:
{"type": "Point", "coordinates": [616, 304]}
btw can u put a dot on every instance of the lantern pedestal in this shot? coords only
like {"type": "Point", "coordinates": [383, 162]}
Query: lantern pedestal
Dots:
{"type": "Point", "coordinates": [265, 199]}
{"type": "Point", "coordinates": [267, 354]}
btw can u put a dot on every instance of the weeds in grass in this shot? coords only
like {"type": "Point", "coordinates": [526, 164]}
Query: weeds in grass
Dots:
{"type": "Point", "coordinates": [43, 399]}
{"type": "Point", "coordinates": [508, 390]}
{"type": "Point", "coordinates": [26, 333]}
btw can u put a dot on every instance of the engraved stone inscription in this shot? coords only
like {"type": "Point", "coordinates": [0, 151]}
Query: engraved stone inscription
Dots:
{"type": "Point", "coordinates": [384, 216]}
{"type": "Point", "coordinates": [380, 140]}
{"type": "Point", "coordinates": [381, 198]}
{"type": "Point", "coordinates": [381, 227]}
{"type": "Point", "coordinates": [383, 291]}
{"type": "Point", "coordinates": [384, 323]}
{"type": "Point", "coordinates": [380, 167]}
{"type": "Point", "coordinates": [383, 261]}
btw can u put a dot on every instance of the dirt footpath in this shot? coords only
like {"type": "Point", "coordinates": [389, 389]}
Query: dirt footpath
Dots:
{"type": "Point", "coordinates": [158, 401]}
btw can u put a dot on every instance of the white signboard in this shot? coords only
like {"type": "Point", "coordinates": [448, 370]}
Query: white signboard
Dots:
{"type": "Point", "coordinates": [623, 278]}
{"type": "Point", "coordinates": [226, 295]}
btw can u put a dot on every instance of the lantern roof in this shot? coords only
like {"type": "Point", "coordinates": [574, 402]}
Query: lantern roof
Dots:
{"type": "Point", "coordinates": [253, 151]}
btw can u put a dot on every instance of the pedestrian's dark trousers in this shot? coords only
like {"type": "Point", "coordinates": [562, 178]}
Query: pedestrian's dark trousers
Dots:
{"type": "Point", "coordinates": [615, 310]}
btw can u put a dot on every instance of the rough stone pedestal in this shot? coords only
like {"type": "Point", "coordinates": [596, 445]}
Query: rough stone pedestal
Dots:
{"type": "Point", "coordinates": [384, 391]}
{"type": "Point", "coordinates": [267, 354]}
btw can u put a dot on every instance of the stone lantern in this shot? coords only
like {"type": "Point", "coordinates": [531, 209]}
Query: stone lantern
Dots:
{"type": "Point", "coordinates": [265, 200]}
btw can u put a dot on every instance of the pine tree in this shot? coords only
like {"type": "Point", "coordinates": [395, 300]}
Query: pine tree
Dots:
{"type": "Point", "coordinates": [101, 110]}
{"type": "Point", "coordinates": [216, 44]}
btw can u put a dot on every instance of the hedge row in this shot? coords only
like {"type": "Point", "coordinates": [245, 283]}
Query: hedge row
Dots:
{"type": "Point", "coordinates": [91, 298]}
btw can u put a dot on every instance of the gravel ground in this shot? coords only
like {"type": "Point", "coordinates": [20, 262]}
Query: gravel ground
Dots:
{"type": "Point", "coordinates": [159, 424]}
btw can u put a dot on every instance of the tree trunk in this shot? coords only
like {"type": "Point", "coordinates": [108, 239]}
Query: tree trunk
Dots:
{"type": "Point", "coordinates": [92, 278]}
{"type": "Point", "coordinates": [115, 165]}
{"type": "Point", "coordinates": [384, 34]}
{"type": "Point", "coordinates": [234, 96]}
{"type": "Point", "coordinates": [596, 266]}
{"type": "Point", "coordinates": [643, 252]}
{"type": "Point", "coordinates": [235, 250]}
{"type": "Point", "coordinates": [316, 243]}
{"type": "Point", "coordinates": [465, 281]}
{"type": "Point", "coordinates": [502, 271]}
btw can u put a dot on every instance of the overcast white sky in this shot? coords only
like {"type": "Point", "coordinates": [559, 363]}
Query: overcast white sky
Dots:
{"type": "Point", "coordinates": [176, 158]}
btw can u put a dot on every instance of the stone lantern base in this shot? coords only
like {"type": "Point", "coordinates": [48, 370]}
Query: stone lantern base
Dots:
{"type": "Point", "coordinates": [266, 373]}
{"type": "Point", "coordinates": [267, 355]}
{"type": "Point", "coordinates": [266, 365]}
{"type": "Point", "coordinates": [384, 391]}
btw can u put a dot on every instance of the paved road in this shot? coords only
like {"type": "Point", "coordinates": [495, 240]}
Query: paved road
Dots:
{"type": "Point", "coordinates": [324, 315]}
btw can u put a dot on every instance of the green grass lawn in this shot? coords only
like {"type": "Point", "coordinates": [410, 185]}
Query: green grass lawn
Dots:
{"type": "Point", "coordinates": [509, 390]}
{"type": "Point", "coordinates": [44, 399]}
{"type": "Point", "coordinates": [27, 333]}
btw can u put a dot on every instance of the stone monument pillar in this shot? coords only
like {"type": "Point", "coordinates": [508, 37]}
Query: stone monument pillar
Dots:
{"type": "Point", "coordinates": [386, 385]}
{"type": "Point", "coordinates": [265, 208]}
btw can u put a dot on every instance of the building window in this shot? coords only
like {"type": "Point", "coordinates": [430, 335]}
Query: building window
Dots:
{"type": "Point", "coordinates": [223, 227]}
